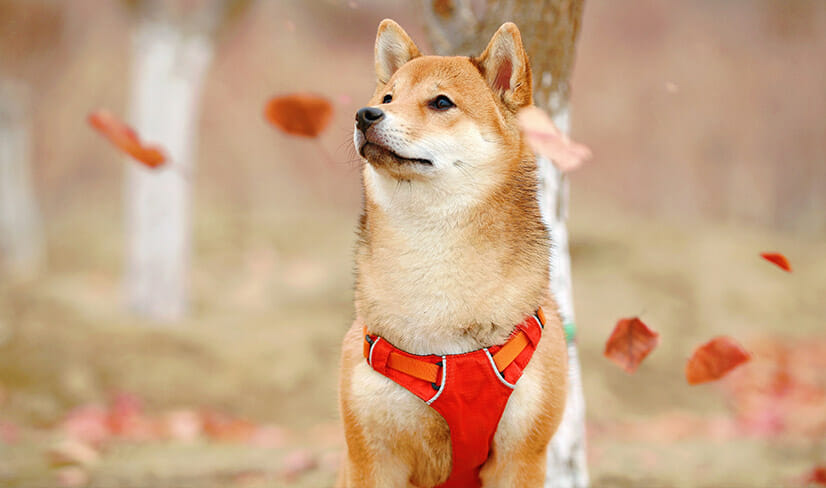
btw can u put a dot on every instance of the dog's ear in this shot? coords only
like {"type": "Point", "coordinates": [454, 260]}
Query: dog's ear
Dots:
{"type": "Point", "coordinates": [505, 66]}
{"type": "Point", "coordinates": [393, 48]}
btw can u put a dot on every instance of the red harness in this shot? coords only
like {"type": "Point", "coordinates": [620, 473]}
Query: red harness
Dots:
{"type": "Point", "coordinates": [470, 390]}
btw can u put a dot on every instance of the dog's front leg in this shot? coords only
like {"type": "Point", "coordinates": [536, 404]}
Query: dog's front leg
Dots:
{"type": "Point", "coordinates": [372, 469]}
{"type": "Point", "coordinates": [524, 469]}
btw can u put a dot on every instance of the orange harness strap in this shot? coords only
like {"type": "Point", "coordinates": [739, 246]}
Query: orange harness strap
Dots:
{"type": "Point", "coordinates": [432, 373]}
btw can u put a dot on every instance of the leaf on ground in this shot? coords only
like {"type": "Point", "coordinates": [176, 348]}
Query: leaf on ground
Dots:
{"type": "Point", "coordinates": [714, 359]}
{"type": "Point", "coordinates": [297, 463]}
{"type": "Point", "coordinates": [299, 114]}
{"type": "Point", "coordinates": [268, 437]}
{"type": "Point", "coordinates": [72, 477]}
{"type": "Point", "coordinates": [783, 390]}
{"type": "Point", "coordinates": [89, 423]}
{"type": "Point", "coordinates": [222, 427]}
{"type": "Point", "coordinates": [126, 419]}
{"type": "Point", "coordinates": [630, 342]}
{"type": "Point", "coordinates": [778, 259]}
{"type": "Point", "coordinates": [548, 141]}
{"type": "Point", "coordinates": [9, 432]}
{"type": "Point", "coordinates": [125, 138]}
{"type": "Point", "coordinates": [182, 425]}
{"type": "Point", "coordinates": [70, 452]}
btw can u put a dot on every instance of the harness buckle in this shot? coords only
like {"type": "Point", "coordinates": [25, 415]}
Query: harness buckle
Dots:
{"type": "Point", "coordinates": [434, 385]}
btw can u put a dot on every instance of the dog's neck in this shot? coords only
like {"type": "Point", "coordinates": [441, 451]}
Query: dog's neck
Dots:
{"type": "Point", "coordinates": [441, 278]}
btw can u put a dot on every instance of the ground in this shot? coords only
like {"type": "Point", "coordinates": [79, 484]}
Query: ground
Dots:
{"type": "Point", "coordinates": [262, 346]}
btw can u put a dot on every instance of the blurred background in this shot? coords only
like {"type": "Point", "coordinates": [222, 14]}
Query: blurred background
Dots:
{"type": "Point", "coordinates": [707, 121]}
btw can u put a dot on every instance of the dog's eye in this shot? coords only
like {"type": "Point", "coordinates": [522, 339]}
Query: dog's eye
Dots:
{"type": "Point", "coordinates": [387, 98]}
{"type": "Point", "coordinates": [441, 103]}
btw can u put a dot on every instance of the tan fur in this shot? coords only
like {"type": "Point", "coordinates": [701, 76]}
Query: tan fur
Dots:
{"type": "Point", "coordinates": [451, 257]}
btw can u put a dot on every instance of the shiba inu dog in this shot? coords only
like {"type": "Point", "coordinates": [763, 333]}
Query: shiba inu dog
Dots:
{"type": "Point", "coordinates": [452, 271]}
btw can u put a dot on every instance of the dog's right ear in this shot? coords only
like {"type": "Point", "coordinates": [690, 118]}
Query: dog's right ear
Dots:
{"type": "Point", "coordinates": [393, 48]}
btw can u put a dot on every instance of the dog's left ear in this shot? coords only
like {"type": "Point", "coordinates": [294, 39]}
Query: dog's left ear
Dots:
{"type": "Point", "coordinates": [505, 66]}
{"type": "Point", "coordinates": [393, 48]}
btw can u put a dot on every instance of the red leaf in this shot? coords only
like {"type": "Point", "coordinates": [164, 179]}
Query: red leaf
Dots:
{"type": "Point", "coordinates": [778, 259]}
{"type": "Point", "coordinates": [222, 427]}
{"type": "Point", "coordinates": [630, 343]}
{"type": "Point", "coordinates": [125, 139]}
{"type": "Point", "coordinates": [89, 424]}
{"type": "Point", "coordinates": [299, 114]}
{"type": "Point", "coordinates": [714, 359]}
{"type": "Point", "coordinates": [817, 475]}
{"type": "Point", "coordinates": [547, 140]}
{"type": "Point", "coordinates": [126, 418]}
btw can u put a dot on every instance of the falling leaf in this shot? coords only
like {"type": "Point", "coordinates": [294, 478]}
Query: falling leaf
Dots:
{"type": "Point", "coordinates": [122, 136]}
{"type": "Point", "coordinates": [778, 259]}
{"type": "Point", "coordinates": [714, 359]}
{"type": "Point", "coordinates": [817, 475]}
{"type": "Point", "coordinates": [297, 463]}
{"type": "Point", "coordinates": [630, 343]}
{"type": "Point", "coordinates": [300, 114]}
{"type": "Point", "coordinates": [548, 141]}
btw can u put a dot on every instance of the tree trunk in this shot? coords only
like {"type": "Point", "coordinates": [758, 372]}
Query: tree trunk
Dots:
{"type": "Point", "coordinates": [21, 239]}
{"type": "Point", "coordinates": [170, 60]}
{"type": "Point", "coordinates": [549, 31]}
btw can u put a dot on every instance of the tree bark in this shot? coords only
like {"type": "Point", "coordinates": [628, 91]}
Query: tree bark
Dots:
{"type": "Point", "coordinates": [170, 56]}
{"type": "Point", "coordinates": [549, 32]}
{"type": "Point", "coordinates": [21, 237]}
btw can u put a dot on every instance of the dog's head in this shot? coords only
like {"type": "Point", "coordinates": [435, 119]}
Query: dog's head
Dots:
{"type": "Point", "coordinates": [447, 124]}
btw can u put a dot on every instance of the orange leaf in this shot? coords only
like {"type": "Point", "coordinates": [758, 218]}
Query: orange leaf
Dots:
{"type": "Point", "coordinates": [817, 476]}
{"type": "Point", "coordinates": [299, 114]}
{"type": "Point", "coordinates": [778, 259]}
{"type": "Point", "coordinates": [548, 141]}
{"type": "Point", "coordinates": [122, 136]}
{"type": "Point", "coordinates": [222, 427]}
{"type": "Point", "coordinates": [630, 343]}
{"type": "Point", "coordinates": [714, 359]}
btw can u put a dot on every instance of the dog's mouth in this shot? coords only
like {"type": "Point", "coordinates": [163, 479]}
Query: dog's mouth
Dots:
{"type": "Point", "coordinates": [380, 155]}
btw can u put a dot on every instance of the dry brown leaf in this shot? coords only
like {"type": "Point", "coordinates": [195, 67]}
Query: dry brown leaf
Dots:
{"type": "Point", "coordinates": [548, 141]}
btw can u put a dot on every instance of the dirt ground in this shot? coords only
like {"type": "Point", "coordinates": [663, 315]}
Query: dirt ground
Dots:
{"type": "Point", "coordinates": [66, 342]}
{"type": "Point", "coordinates": [706, 123]}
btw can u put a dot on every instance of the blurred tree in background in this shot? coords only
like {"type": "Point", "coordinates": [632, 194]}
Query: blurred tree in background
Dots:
{"type": "Point", "coordinates": [549, 31]}
{"type": "Point", "coordinates": [172, 46]}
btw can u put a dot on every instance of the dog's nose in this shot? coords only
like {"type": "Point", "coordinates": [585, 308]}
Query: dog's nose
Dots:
{"type": "Point", "coordinates": [367, 117]}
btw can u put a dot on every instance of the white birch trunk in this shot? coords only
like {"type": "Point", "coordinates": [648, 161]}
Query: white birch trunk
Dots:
{"type": "Point", "coordinates": [549, 31]}
{"type": "Point", "coordinates": [168, 71]}
{"type": "Point", "coordinates": [21, 237]}
{"type": "Point", "coordinates": [567, 463]}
